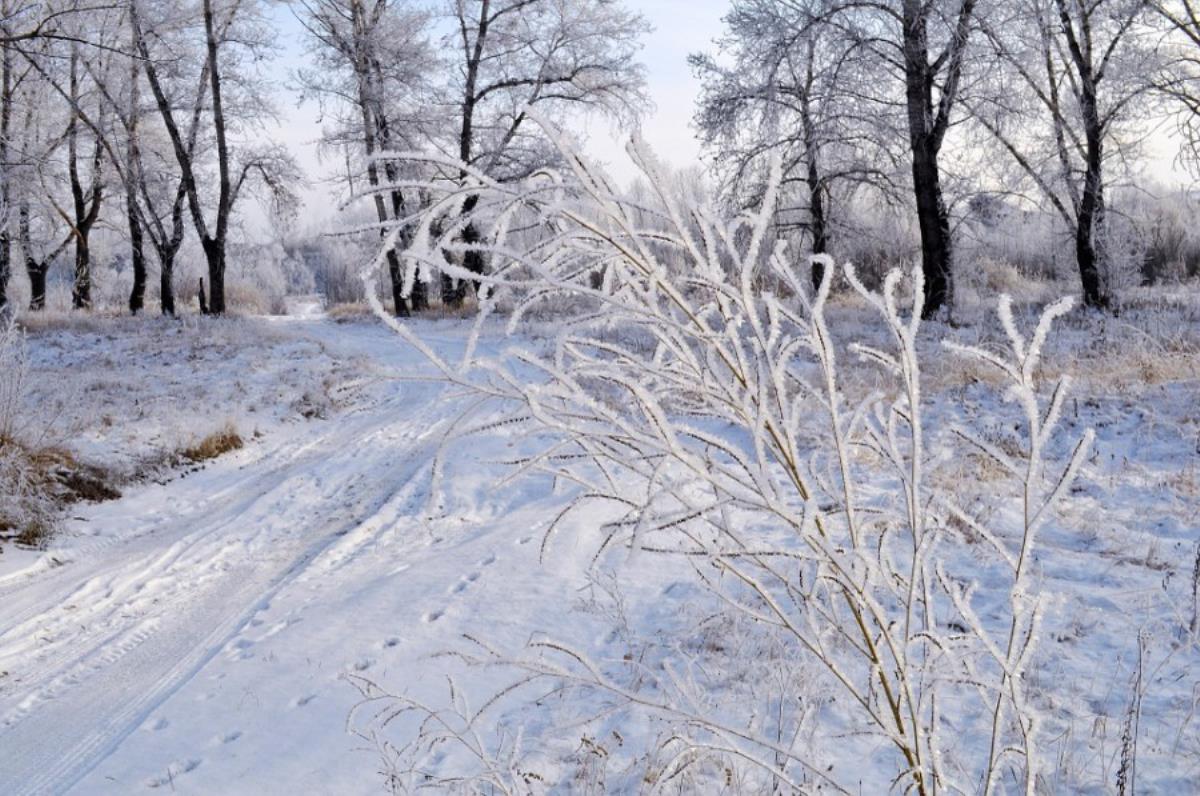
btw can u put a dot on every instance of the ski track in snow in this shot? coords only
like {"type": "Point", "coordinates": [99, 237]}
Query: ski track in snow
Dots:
{"type": "Point", "coordinates": [93, 647]}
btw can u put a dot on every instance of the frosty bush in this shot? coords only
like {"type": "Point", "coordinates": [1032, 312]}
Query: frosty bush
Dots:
{"type": "Point", "coordinates": [707, 412]}
{"type": "Point", "coordinates": [27, 510]}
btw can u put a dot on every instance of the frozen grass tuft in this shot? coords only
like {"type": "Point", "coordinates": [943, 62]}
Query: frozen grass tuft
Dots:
{"type": "Point", "coordinates": [37, 478]}
{"type": "Point", "coordinates": [213, 444]}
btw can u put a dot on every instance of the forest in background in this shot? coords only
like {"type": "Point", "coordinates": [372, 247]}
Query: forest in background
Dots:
{"type": "Point", "coordinates": [994, 143]}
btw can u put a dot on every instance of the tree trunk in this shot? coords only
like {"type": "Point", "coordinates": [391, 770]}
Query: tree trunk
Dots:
{"type": "Point", "coordinates": [1091, 204]}
{"type": "Point", "coordinates": [396, 274]}
{"type": "Point", "coordinates": [214, 246]}
{"type": "Point", "coordinates": [166, 287]}
{"type": "Point", "coordinates": [816, 218]}
{"type": "Point", "coordinates": [214, 253]}
{"type": "Point", "coordinates": [37, 285]}
{"type": "Point", "coordinates": [6, 105]}
{"type": "Point", "coordinates": [137, 297]}
{"type": "Point", "coordinates": [934, 222]}
{"type": "Point", "coordinates": [418, 297]}
{"type": "Point", "coordinates": [81, 291]}
{"type": "Point", "coordinates": [927, 125]}
{"type": "Point", "coordinates": [137, 256]}
{"type": "Point", "coordinates": [454, 292]}
{"type": "Point", "coordinates": [5, 265]}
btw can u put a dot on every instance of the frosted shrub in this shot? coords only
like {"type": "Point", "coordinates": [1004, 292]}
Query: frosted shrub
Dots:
{"type": "Point", "coordinates": [27, 510]}
{"type": "Point", "coordinates": [707, 413]}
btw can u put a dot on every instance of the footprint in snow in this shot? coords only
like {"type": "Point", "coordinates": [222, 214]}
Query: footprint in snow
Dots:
{"type": "Point", "coordinates": [159, 724]}
{"type": "Point", "coordinates": [239, 649]}
{"type": "Point", "coordinates": [464, 582]}
{"type": "Point", "coordinates": [432, 616]}
{"type": "Point", "coordinates": [228, 737]}
{"type": "Point", "coordinates": [176, 769]}
{"type": "Point", "coordinates": [300, 702]}
{"type": "Point", "coordinates": [488, 560]}
{"type": "Point", "coordinates": [388, 643]}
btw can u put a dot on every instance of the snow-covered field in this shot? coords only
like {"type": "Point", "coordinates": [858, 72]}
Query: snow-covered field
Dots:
{"type": "Point", "coordinates": [213, 633]}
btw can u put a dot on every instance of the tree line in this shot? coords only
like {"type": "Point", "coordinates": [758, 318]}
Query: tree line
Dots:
{"type": "Point", "coordinates": [146, 117]}
{"type": "Point", "coordinates": [1048, 101]}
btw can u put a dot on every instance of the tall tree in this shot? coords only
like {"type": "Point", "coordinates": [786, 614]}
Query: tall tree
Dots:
{"type": "Point", "coordinates": [514, 55]}
{"type": "Point", "coordinates": [373, 59]}
{"type": "Point", "coordinates": [86, 198]}
{"type": "Point", "coordinates": [226, 26]}
{"type": "Point", "coordinates": [1083, 72]}
{"type": "Point", "coordinates": [787, 84]}
{"type": "Point", "coordinates": [914, 52]}
{"type": "Point", "coordinates": [1179, 76]}
{"type": "Point", "coordinates": [8, 82]}
{"type": "Point", "coordinates": [154, 186]}
{"type": "Point", "coordinates": [932, 77]}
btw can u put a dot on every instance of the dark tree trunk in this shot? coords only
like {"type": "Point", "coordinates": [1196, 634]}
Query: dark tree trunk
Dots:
{"type": "Point", "coordinates": [927, 125]}
{"type": "Point", "coordinates": [214, 253]}
{"type": "Point", "coordinates": [5, 267]}
{"type": "Point", "coordinates": [1091, 205]}
{"type": "Point", "coordinates": [137, 256]}
{"type": "Point", "coordinates": [934, 221]}
{"type": "Point", "coordinates": [396, 274]}
{"type": "Point", "coordinates": [35, 269]}
{"type": "Point", "coordinates": [6, 106]}
{"type": "Point", "coordinates": [137, 296]}
{"type": "Point", "coordinates": [816, 217]}
{"type": "Point", "coordinates": [455, 291]}
{"type": "Point", "coordinates": [37, 285]}
{"type": "Point", "coordinates": [81, 291]}
{"type": "Point", "coordinates": [166, 286]}
{"type": "Point", "coordinates": [418, 297]}
{"type": "Point", "coordinates": [203, 299]}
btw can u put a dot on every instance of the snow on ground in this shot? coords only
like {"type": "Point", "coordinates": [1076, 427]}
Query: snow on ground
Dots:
{"type": "Point", "coordinates": [199, 633]}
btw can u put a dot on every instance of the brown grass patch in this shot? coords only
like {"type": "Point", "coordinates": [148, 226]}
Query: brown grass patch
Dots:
{"type": "Point", "coordinates": [210, 447]}
{"type": "Point", "coordinates": [40, 481]}
{"type": "Point", "coordinates": [350, 312]}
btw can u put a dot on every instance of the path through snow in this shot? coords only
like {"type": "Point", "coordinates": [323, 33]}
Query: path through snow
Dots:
{"type": "Point", "coordinates": [188, 578]}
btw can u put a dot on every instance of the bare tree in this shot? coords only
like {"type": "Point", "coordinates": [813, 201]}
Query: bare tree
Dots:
{"type": "Point", "coordinates": [86, 198]}
{"type": "Point", "coordinates": [513, 55]}
{"type": "Point", "coordinates": [8, 81]}
{"type": "Point", "coordinates": [1083, 74]}
{"type": "Point", "coordinates": [790, 87]}
{"type": "Point", "coordinates": [917, 56]}
{"type": "Point", "coordinates": [34, 169]}
{"type": "Point", "coordinates": [1179, 79]}
{"type": "Point", "coordinates": [373, 59]}
{"type": "Point", "coordinates": [226, 26]}
{"type": "Point", "coordinates": [925, 78]}
{"type": "Point", "coordinates": [155, 191]}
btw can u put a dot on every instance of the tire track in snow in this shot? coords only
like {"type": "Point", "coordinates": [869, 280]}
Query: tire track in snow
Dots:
{"type": "Point", "coordinates": [152, 620]}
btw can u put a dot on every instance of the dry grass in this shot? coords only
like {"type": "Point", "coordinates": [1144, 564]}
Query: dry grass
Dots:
{"type": "Point", "coordinates": [350, 312]}
{"type": "Point", "coordinates": [39, 482]}
{"type": "Point", "coordinates": [213, 445]}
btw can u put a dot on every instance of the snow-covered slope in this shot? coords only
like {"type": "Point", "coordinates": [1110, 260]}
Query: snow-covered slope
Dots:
{"type": "Point", "coordinates": [198, 637]}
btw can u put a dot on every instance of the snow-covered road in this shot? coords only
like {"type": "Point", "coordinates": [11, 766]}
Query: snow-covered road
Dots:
{"type": "Point", "coordinates": [178, 579]}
